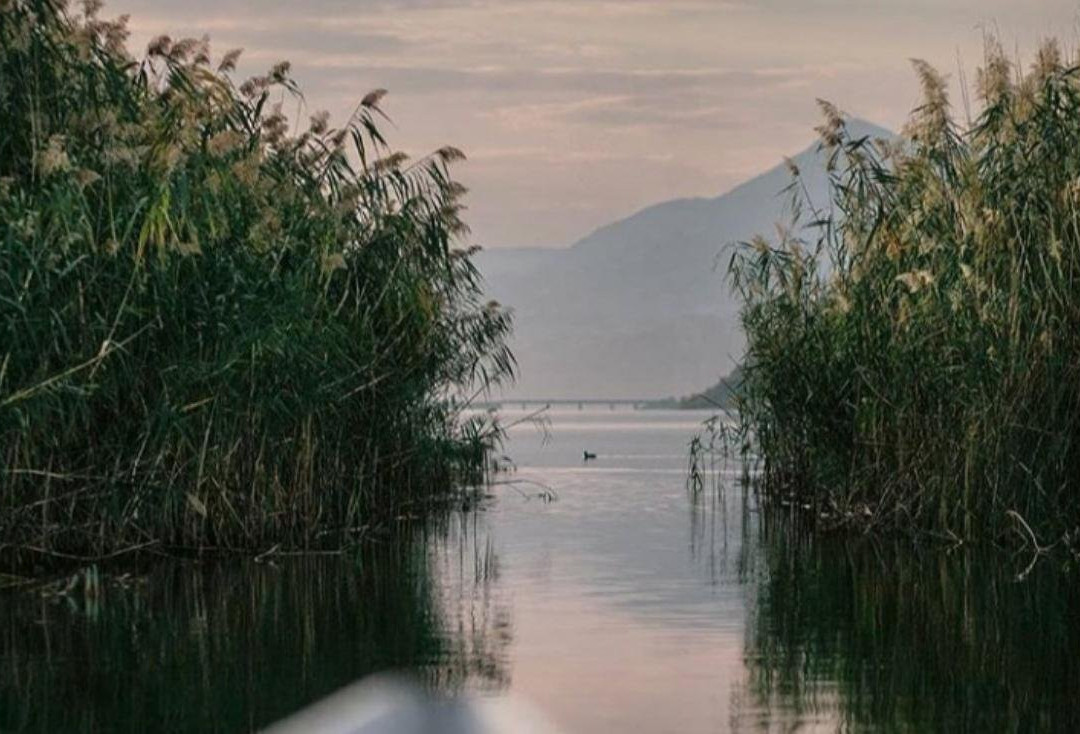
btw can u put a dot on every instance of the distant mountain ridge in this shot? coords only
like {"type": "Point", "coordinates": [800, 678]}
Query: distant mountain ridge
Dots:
{"type": "Point", "coordinates": [640, 307]}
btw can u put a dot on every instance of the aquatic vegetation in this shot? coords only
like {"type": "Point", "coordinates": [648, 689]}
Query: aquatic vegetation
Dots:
{"type": "Point", "coordinates": [914, 343]}
{"type": "Point", "coordinates": [219, 328]}
{"type": "Point", "coordinates": [871, 635]}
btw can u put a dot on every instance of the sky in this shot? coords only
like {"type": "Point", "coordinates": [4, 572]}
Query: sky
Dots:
{"type": "Point", "coordinates": [575, 113]}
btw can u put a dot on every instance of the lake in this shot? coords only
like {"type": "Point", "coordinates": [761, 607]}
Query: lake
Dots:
{"type": "Point", "coordinates": [624, 605]}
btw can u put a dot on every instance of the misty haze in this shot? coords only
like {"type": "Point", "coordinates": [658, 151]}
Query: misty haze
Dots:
{"type": "Point", "coordinates": [642, 307]}
{"type": "Point", "coordinates": [539, 366]}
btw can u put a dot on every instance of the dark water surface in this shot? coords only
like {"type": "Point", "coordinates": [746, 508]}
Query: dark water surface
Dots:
{"type": "Point", "coordinates": [623, 606]}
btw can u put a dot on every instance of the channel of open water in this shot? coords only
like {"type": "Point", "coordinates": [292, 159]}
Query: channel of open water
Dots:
{"type": "Point", "coordinates": [626, 605]}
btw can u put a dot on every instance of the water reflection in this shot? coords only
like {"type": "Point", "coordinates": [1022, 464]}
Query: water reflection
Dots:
{"type": "Point", "coordinates": [863, 635]}
{"type": "Point", "coordinates": [630, 604]}
{"type": "Point", "coordinates": [233, 647]}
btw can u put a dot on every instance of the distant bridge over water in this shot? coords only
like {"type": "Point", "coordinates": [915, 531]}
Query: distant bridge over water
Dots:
{"type": "Point", "coordinates": [580, 403]}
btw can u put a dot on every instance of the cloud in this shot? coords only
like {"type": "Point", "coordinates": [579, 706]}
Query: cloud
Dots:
{"type": "Point", "coordinates": [596, 107]}
{"type": "Point", "coordinates": [519, 81]}
{"type": "Point", "coordinates": [323, 41]}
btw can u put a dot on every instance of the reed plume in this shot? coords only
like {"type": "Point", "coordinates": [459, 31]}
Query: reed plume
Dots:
{"type": "Point", "coordinates": [913, 365]}
{"type": "Point", "coordinates": [214, 333]}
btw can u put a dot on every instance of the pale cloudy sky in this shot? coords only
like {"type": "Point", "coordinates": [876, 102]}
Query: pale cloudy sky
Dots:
{"type": "Point", "coordinates": [577, 112]}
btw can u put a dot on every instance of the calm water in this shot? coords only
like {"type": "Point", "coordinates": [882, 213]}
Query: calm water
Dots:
{"type": "Point", "coordinates": [622, 606]}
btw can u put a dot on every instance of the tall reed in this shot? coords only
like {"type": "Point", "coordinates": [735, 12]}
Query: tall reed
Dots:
{"type": "Point", "coordinates": [216, 330]}
{"type": "Point", "coordinates": [913, 356]}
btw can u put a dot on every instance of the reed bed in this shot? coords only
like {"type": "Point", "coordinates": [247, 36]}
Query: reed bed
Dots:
{"type": "Point", "coordinates": [219, 328]}
{"type": "Point", "coordinates": [913, 358]}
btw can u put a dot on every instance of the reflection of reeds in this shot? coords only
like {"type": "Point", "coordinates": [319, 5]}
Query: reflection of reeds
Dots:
{"type": "Point", "coordinates": [473, 607]}
{"type": "Point", "coordinates": [215, 332]}
{"type": "Point", "coordinates": [865, 636]}
{"type": "Point", "coordinates": [235, 646]}
{"type": "Point", "coordinates": [913, 348]}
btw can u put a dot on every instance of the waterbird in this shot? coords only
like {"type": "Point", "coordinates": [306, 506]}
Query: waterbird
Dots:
{"type": "Point", "coordinates": [588, 455]}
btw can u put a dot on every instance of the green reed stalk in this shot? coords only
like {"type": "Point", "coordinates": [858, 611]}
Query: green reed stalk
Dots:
{"type": "Point", "coordinates": [215, 332]}
{"type": "Point", "coordinates": [914, 344]}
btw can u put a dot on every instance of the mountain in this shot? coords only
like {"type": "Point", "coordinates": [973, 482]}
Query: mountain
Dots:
{"type": "Point", "coordinates": [719, 396]}
{"type": "Point", "coordinates": [641, 307]}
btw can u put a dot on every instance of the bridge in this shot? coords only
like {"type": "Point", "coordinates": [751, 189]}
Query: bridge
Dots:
{"type": "Point", "coordinates": [581, 403]}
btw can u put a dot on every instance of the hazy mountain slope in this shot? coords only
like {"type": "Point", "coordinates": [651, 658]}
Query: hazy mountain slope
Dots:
{"type": "Point", "coordinates": [641, 307]}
